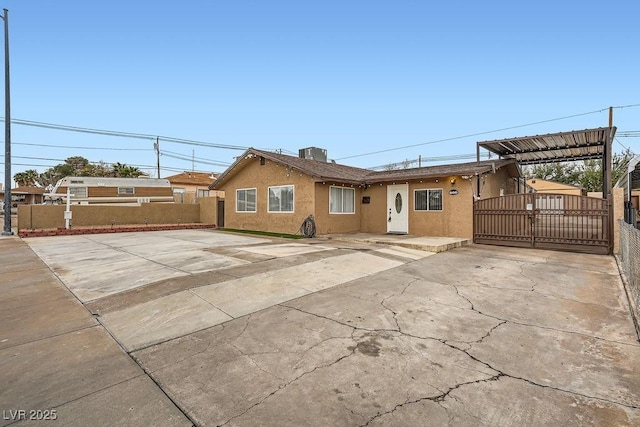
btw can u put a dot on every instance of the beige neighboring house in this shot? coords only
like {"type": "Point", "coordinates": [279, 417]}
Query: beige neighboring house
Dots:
{"type": "Point", "coordinates": [24, 195]}
{"type": "Point", "coordinates": [89, 190]}
{"type": "Point", "coordinates": [544, 186]}
{"type": "Point", "coordinates": [273, 192]}
{"type": "Point", "coordinates": [188, 186]}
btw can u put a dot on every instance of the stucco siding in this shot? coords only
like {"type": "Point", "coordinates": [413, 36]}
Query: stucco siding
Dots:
{"type": "Point", "coordinates": [333, 223]}
{"type": "Point", "coordinates": [312, 197]}
{"type": "Point", "coordinates": [374, 218]}
{"type": "Point", "coordinates": [260, 177]}
{"type": "Point", "coordinates": [456, 217]}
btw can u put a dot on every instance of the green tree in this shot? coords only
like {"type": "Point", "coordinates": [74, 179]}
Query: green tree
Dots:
{"type": "Point", "coordinates": [80, 166]}
{"type": "Point", "coordinates": [566, 173]}
{"type": "Point", "coordinates": [590, 177]}
{"type": "Point", "coordinates": [586, 174]}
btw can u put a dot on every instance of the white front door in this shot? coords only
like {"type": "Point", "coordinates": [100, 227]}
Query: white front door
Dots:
{"type": "Point", "coordinates": [398, 209]}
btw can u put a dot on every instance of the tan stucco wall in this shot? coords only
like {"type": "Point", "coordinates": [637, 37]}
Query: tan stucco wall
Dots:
{"type": "Point", "coordinates": [455, 220]}
{"type": "Point", "coordinates": [493, 183]}
{"type": "Point", "coordinates": [327, 223]}
{"type": "Point", "coordinates": [260, 177]}
{"type": "Point", "coordinates": [456, 217]}
{"type": "Point", "coordinates": [47, 216]}
{"type": "Point", "coordinates": [208, 210]}
{"type": "Point", "coordinates": [618, 214]}
{"type": "Point", "coordinates": [374, 218]}
{"type": "Point", "coordinates": [544, 186]}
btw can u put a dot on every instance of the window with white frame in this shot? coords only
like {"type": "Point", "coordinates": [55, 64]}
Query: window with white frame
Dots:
{"type": "Point", "coordinates": [342, 200]}
{"type": "Point", "coordinates": [203, 193]}
{"type": "Point", "coordinates": [428, 199]}
{"type": "Point", "coordinates": [281, 198]}
{"type": "Point", "coordinates": [122, 191]}
{"type": "Point", "coordinates": [246, 200]}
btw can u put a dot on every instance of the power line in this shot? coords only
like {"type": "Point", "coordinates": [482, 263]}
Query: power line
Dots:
{"type": "Point", "coordinates": [180, 157]}
{"type": "Point", "coordinates": [81, 148]}
{"type": "Point", "coordinates": [200, 159]}
{"type": "Point", "coordinates": [141, 167]}
{"type": "Point", "coordinates": [483, 133]}
{"type": "Point", "coordinates": [122, 134]}
{"type": "Point", "coordinates": [425, 159]}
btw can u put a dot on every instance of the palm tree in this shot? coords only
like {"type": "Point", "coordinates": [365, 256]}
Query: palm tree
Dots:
{"type": "Point", "coordinates": [28, 178]}
{"type": "Point", "coordinates": [123, 170]}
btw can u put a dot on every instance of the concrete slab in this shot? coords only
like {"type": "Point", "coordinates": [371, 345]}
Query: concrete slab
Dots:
{"type": "Point", "coordinates": [97, 266]}
{"type": "Point", "coordinates": [403, 252]}
{"type": "Point", "coordinates": [30, 312]}
{"type": "Point", "coordinates": [47, 373]}
{"type": "Point", "coordinates": [585, 366]}
{"type": "Point", "coordinates": [197, 237]}
{"type": "Point", "coordinates": [473, 336]}
{"type": "Point", "coordinates": [286, 249]}
{"type": "Point", "coordinates": [514, 403]}
{"type": "Point", "coordinates": [195, 261]}
{"type": "Point", "coordinates": [56, 359]}
{"type": "Point", "coordinates": [248, 295]}
{"type": "Point", "coordinates": [161, 320]}
{"type": "Point", "coordinates": [424, 243]}
{"type": "Point", "coordinates": [280, 358]}
{"type": "Point", "coordinates": [135, 401]}
{"type": "Point", "coordinates": [523, 306]}
{"type": "Point", "coordinates": [108, 279]}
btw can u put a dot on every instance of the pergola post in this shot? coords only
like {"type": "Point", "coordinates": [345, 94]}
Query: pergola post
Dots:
{"type": "Point", "coordinates": [606, 166]}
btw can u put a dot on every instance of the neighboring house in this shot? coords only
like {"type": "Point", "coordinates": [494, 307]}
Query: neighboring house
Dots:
{"type": "Point", "coordinates": [25, 195]}
{"type": "Point", "coordinates": [275, 192]}
{"type": "Point", "coordinates": [544, 186]}
{"type": "Point", "coordinates": [104, 190]}
{"type": "Point", "coordinates": [188, 186]}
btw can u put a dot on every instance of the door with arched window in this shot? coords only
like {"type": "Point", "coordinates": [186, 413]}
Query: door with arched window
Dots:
{"type": "Point", "coordinates": [398, 209]}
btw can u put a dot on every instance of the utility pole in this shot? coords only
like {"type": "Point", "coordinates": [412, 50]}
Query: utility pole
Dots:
{"type": "Point", "coordinates": [610, 117]}
{"type": "Point", "coordinates": [193, 160]}
{"type": "Point", "coordinates": [7, 131]}
{"type": "Point", "coordinates": [156, 146]}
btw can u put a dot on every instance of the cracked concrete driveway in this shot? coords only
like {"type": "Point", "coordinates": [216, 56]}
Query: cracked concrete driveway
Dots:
{"type": "Point", "coordinates": [331, 333]}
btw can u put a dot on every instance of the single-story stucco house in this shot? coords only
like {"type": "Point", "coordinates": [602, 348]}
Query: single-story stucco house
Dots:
{"type": "Point", "coordinates": [545, 186]}
{"type": "Point", "coordinates": [274, 192]}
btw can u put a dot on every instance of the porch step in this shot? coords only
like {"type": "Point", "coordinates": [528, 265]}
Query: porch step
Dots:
{"type": "Point", "coordinates": [429, 244]}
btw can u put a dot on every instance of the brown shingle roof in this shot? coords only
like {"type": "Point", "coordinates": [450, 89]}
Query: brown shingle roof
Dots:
{"type": "Point", "coordinates": [325, 171]}
{"type": "Point", "coordinates": [192, 178]}
{"type": "Point", "coordinates": [470, 168]}
{"type": "Point", "coordinates": [27, 190]}
{"type": "Point", "coordinates": [322, 171]}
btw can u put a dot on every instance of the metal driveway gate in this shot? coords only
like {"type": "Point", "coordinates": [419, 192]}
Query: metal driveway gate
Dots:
{"type": "Point", "coordinates": [544, 221]}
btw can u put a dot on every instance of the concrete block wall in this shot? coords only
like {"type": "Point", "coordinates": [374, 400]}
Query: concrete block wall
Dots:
{"type": "Point", "coordinates": [39, 217]}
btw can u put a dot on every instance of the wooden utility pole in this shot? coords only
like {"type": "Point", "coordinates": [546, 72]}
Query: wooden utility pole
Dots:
{"type": "Point", "coordinates": [610, 117]}
{"type": "Point", "coordinates": [156, 146]}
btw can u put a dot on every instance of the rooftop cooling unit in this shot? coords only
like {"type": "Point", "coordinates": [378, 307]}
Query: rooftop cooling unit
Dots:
{"type": "Point", "coordinates": [313, 153]}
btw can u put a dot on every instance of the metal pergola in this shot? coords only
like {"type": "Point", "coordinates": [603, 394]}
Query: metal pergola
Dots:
{"type": "Point", "coordinates": [558, 147]}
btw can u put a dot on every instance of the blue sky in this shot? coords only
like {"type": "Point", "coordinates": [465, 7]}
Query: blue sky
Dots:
{"type": "Point", "coordinates": [353, 77]}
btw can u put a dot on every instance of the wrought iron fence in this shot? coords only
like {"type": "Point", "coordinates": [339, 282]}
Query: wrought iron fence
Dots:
{"type": "Point", "coordinates": [629, 261]}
